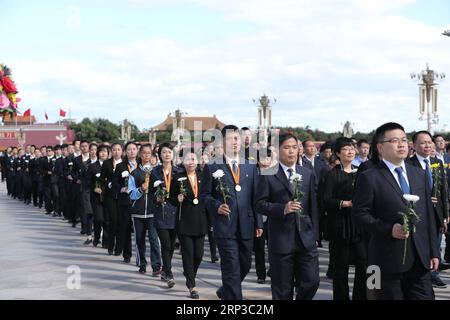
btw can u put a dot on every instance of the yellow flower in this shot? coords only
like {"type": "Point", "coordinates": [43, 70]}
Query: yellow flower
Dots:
{"type": "Point", "coordinates": [435, 166]}
{"type": "Point", "coordinates": [445, 165]}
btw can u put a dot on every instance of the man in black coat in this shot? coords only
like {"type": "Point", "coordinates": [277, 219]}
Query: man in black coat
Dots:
{"type": "Point", "coordinates": [378, 199]}
{"type": "Point", "coordinates": [423, 143]}
{"type": "Point", "coordinates": [293, 254]}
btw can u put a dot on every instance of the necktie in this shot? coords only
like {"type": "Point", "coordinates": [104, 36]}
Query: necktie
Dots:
{"type": "Point", "coordinates": [234, 167]}
{"type": "Point", "coordinates": [403, 184]}
{"type": "Point", "coordinates": [428, 172]}
{"type": "Point", "coordinates": [291, 172]}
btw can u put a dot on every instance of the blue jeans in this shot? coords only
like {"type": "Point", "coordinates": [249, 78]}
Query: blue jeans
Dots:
{"type": "Point", "coordinates": [143, 227]}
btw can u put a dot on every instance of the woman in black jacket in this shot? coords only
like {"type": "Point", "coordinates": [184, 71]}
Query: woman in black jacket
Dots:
{"type": "Point", "coordinates": [111, 200]}
{"type": "Point", "coordinates": [165, 213]}
{"type": "Point", "coordinates": [192, 224]}
{"type": "Point", "coordinates": [346, 240]}
{"type": "Point", "coordinates": [120, 182]}
{"type": "Point", "coordinates": [96, 185]}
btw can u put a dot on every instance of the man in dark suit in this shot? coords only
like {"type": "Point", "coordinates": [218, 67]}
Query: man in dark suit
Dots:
{"type": "Point", "coordinates": [293, 254]}
{"type": "Point", "coordinates": [312, 160]}
{"type": "Point", "coordinates": [378, 199]}
{"type": "Point", "coordinates": [48, 171]}
{"type": "Point", "coordinates": [235, 221]}
{"type": "Point", "coordinates": [423, 143]}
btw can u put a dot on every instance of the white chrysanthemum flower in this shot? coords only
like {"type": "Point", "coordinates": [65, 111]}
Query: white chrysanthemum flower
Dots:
{"type": "Point", "coordinates": [125, 174]}
{"type": "Point", "coordinates": [182, 179]}
{"type": "Point", "coordinates": [147, 167]}
{"type": "Point", "coordinates": [98, 175]}
{"type": "Point", "coordinates": [70, 163]}
{"type": "Point", "coordinates": [218, 174]}
{"type": "Point", "coordinates": [157, 183]}
{"type": "Point", "coordinates": [354, 170]}
{"type": "Point", "coordinates": [296, 177]}
{"type": "Point", "coordinates": [412, 198]}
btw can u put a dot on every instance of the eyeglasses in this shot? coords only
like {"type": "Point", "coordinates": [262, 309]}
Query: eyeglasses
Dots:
{"type": "Point", "coordinates": [395, 140]}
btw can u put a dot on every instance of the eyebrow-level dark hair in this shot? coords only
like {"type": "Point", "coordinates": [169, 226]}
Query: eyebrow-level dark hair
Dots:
{"type": "Point", "coordinates": [416, 135]}
{"type": "Point", "coordinates": [229, 127]}
{"type": "Point", "coordinates": [389, 126]}
{"type": "Point", "coordinates": [286, 136]}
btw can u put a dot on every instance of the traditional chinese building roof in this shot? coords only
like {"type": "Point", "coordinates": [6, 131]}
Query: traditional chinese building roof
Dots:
{"type": "Point", "coordinates": [207, 123]}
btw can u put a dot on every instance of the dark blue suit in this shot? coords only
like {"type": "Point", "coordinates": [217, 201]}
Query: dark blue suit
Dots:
{"type": "Point", "coordinates": [292, 239]}
{"type": "Point", "coordinates": [166, 220]}
{"type": "Point", "coordinates": [234, 234]}
{"type": "Point", "coordinates": [377, 202]}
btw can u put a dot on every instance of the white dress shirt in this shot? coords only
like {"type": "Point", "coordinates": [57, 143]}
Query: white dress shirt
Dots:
{"type": "Point", "coordinates": [422, 163]}
{"type": "Point", "coordinates": [286, 168]}
{"type": "Point", "coordinates": [392, 167]}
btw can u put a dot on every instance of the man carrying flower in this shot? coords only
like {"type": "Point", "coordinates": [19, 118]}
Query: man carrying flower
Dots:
{"type": "Point", "coordinates": [229, 199]}
{"type": "Point", "coordinates": [378, 207]}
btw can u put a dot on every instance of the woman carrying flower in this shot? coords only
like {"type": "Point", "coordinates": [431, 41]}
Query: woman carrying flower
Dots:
{"type": "Point", "coordinates": [142, 212]}
{"type": "Point", "coordinates": [165, 213]}
{"type": "Point", "coordinates": [192, 217]}
{"type": "Point", "coordinates": [345, 239]}
{"type": "Point", "coordinates": [96, 185]}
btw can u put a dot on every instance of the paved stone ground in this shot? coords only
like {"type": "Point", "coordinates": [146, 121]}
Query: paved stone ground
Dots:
{"type": "Point", "coordinates": [37, 249]}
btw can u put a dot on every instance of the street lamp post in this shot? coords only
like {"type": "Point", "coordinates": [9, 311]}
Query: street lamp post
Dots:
{"type": "Point", "coordinates": [428, 95]}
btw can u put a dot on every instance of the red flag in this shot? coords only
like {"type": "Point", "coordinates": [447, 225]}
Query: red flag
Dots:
{"type": "Point", "coordinates": [27, 113]}
{"type": "Point", "coordinates": [62, 113]}
{"type": "Point", "coordinates": [46, 116]}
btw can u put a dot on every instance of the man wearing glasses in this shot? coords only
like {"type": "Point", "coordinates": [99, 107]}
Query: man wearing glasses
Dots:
{"type": "Point", "coordinates": [377, 202]}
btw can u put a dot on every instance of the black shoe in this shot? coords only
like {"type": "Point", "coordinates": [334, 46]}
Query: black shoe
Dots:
{"type": "Point", "coordinates": [95, 243]}
{"type": "Point", "coordinates": [329, 275]}
{"type": "Point", "coordinates": [261, 281]}
{"type": "Point", "coordinates": [438, 283]}
{"type": "Point", "coordinates": [126, 260]}
{"type": "Point", "coordinates": [110, 252]}
{"type": "Point", "coordinates": [219, 294]}
{"type": "Point", "coordinates": [194, 294]}
{"type": "Point", "coordinates": [444, 266]}
{"type": "Point", "coordinates": [81, 232]}
{"type": "Point", "coordinates": [88, 242]}
{"type": "Point", "coordinates": [117, 253]}
{"type": "Point", "coordinates": [177, 245]}
{"type": "Point", "coordinates": [214, 259]}
{"type": "Point", "coordinates": [143, 269]}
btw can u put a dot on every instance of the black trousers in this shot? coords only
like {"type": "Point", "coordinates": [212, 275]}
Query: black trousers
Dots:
{"type": "Point", "coordinates": [125, 226]}
{"type": "Point", "coordinates": [299, 268]}
{"type": "Point", "coordinates": [99, 218]}
{"type": "Point", "coordinates": [40, 191]}
{"type": "Point", "coordinates": [62, 199]}
{"type": "Point", "coordinates": [34, 190]}
{"type": "Point", "coordinates": [48, 197]}
{"type": "Point", "coordinates": [259, 248]}
{"type": "Point", "coordinates": [26, 183]}
{"type": "Point", "coordinates": [167, 239]}
{"type": "Point", "coordinates": [340, 253]}
{"type": "Point", "coordinates": [192, 255]}
{"type": "Point", "coordinates": [112, 213]}
{"type": "Point", "coordinates": [236, 260]}
{"type": "Point", "coordinates": [212, 244]}
{"type": "Point", "coordinates": [415, 284]}
{"type": "Point", "coordinates": [18, 185]}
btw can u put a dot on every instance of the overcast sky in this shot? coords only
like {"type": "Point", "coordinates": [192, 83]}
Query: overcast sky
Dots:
{"type": "Point", "coordinates": [325, 61]}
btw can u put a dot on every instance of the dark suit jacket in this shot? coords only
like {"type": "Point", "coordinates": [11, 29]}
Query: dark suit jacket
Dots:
{"type": "Point", "coordinates": [377, 202]}
{"type": "Point", "coordinates": [119, 183]}
{"type": "Point", "coordinates": [274, 192]}
{"type": "Point", "coordinates": [166, 219]}
{"type": "Point", "coordinates": [440, 208]}
{"type": "Point", "coordinates": [241, 203]}
{"type": "Point", "coordinates": [193, 221]}
{"type": "Point", "coordinates": [107, 173]}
